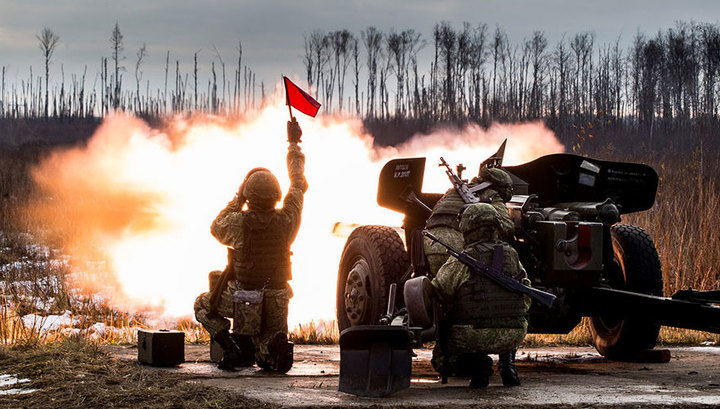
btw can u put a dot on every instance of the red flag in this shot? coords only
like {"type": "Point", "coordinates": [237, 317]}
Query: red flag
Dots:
{"type": "Point", "coordinates": [300, 99]}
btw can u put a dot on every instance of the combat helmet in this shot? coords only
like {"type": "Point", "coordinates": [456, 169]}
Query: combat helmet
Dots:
{"type": "Point", "coordinates": [261, 189]}
{"type": "Point", "coordinates": [479, 222]}
{"type": "Point", "coordinates": [500, 180]}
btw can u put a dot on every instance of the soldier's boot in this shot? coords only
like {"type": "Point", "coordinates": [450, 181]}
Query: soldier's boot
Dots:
{"type": "Point", "coordinates": [231, 352]}
{"type": "Point", "coordinates": [506, 367]}
{"type": "Point", "coordinates": [482, 371]}
{"type": "Point", "coordinates": [247, 349]}
{"type": "Point", "coordinates": [282, 352]}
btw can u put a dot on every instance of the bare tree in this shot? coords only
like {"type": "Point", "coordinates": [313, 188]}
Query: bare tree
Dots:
{"type": "Point", "coordinates": [141, 54]}
{"type": "Point", "coordinates": [356, 72]}
{"type": "Point", "coordinates": [372, 39]}
{"type": "Point", "coordinates": [340, 42]}
{"type": "Point", "coordinates": [318, 50]}
{"type": "Point", "coordinates": [537, 49]}
{"type": "Point", "coordinates": [167, 64]}
{"type": "Point", "coordinates": [603, 83]}
{"type": "Point", "coordinates": [499, 52]}
{"type": "Point", "coordinates": [618, 69]}
{"type": "Point", "coordinates": [681, 65]}
{"type": "Point", "coordinates": [309, 61]}
{"type": "Point", "coordinates": [653, 56]}
{"type": "Point", "coordinates": [195, 80]}
{"type": "Point", "coordinates": [561, 59]}
{"type": "Point", "coordinates": [117, 47]}
{"type": "Point", "coordinates": [238, 74]}
{"type": "Point", "coordinates": [222, 65]}
{"type": "Point", "coordinates": [582, 45]}
{"type": "Point", "coordinates": [448, 40]}
{"type": "Point", "coordinates": [637, 68]}
{"type": "Point", "coordinates": [478, 57]}
{"type": "Point", "coordinates": [47, 41]}
{"type": "Point", "coordinates": [710, 59]}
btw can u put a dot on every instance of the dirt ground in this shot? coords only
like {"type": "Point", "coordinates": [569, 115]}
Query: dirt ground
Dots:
{"type": "Point", "coordinates": [559, 376]}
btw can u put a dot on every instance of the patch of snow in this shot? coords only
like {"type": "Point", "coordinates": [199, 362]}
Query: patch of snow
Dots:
{"type": "Point", "coordinates": [70, 331]}
{"type": "Point", "coordinates": [26, 236]}
{"type": "Point", "coordinates": [59, 264]}
{"type": "Point", "coordinates": [714, 350]}
{"type": "Point", "coordinates": [17, 391]}
{"type": "Point", "coordinates": [100, 329]}
{"type": "Point", "coordinates": [44, 305]}
{"type": "Point", "coordinates": [13, 380]}
{"type": "Point", "coordinates": [15, 265]}
{"type": "Point", "coordinates": [38, 250]}
{"type": "Point", "coordinates": [49, 322]}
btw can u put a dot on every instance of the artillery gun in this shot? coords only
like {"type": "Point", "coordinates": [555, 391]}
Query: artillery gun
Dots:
{"type": "Point", "coordinates": [567, 212]}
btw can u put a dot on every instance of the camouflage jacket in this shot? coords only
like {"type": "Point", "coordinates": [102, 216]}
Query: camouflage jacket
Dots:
{"type": "Point", "coordinates": [496, 335]}
{"type": "Point", "coordinates": [454, 274]}
{"type": "Point", "coordinates": [227, 227]}
{"type": "Point", "coordinates": [446, 210]}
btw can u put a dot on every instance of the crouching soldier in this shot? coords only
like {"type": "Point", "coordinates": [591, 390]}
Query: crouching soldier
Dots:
{"type": "Point", "coordinates": [254, 288]}
{"type": "Point", "coordinates": [481, 317]}
{"type": "Point", "coordinates": [443, 222]}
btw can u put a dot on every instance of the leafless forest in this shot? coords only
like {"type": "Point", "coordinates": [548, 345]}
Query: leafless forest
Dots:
{"type": "Point", "coordinates": [658, 93]}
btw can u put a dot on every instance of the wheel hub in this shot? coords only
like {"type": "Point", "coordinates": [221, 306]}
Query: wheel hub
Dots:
{"type": "Point", "coordinates": [357, 293]}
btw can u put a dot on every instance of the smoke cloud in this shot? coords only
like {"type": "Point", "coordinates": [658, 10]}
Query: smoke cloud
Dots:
{"type": "Point", "coordinates": [133, 207]}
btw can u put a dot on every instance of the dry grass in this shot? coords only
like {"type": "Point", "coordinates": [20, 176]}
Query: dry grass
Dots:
{"type": "Point", "coordinates": [680, 336]}
{"type": "Point", "coordinates": [75, 373]}
{"type": "Point", "coordinates": [685, 221]}
{"type": "Point", "coordinates": [579, 336]}
{"type": "Point", "coordinates": [316, 332]}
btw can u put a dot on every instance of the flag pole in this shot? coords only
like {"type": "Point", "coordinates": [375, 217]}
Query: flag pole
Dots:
{"type": "Point", "coordinates": [287, 98]}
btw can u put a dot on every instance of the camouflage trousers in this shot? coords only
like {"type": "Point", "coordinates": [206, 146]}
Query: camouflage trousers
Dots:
{"type": "Point", "coordinates": [274, 317]}
{"type": "Point", "coordinates": [436, 254]}
{"type": "Point", "coordinates": [464, 340]}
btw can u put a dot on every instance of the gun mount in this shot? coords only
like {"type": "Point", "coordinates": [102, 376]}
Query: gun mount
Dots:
{"type": "Point", "coordinates": [566, 212]}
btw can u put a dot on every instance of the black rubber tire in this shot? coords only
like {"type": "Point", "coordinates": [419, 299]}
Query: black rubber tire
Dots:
{"type": "Point", "coordinates": [635, 267]}
{"type": "Point", "coordinates": [376, 257]}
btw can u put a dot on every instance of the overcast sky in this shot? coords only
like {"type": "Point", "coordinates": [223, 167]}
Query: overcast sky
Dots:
{"type": "Point", "coordinates": [272, 31]}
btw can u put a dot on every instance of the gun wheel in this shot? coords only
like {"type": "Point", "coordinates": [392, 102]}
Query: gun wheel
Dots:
{"type": "Point", "coordinates": [373, 258]}
{"type": "Point", "coordinates": [635, 267]}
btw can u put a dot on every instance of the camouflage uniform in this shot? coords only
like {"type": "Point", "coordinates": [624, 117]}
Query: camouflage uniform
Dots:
{"type": "Point", "coordinates": [481, 316]}
{"type": "Point", "coordinates": [443, 222]}
{"type": "Point", "coordinates": [230, 228]}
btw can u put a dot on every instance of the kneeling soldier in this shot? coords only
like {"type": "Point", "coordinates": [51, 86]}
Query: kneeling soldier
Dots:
{"type": "Point", "coordinates": [481, 317]}
{"type": "Point", "coordinates": [254, 288]}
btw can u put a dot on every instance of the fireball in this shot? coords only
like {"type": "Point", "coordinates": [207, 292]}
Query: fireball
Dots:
{"type": "Point", "coordinates": [139, 201]}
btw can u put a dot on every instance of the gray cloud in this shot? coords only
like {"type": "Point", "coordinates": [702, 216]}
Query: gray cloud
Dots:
{"type": "Point", "coordinates": [272, 31]}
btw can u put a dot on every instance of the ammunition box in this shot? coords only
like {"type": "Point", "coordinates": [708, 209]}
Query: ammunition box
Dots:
{"type": "Point", "coordinates": [161, 348]}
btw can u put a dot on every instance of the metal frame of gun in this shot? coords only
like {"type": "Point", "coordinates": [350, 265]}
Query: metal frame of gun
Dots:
{"type": "Point", "coordinates": [498, 277]}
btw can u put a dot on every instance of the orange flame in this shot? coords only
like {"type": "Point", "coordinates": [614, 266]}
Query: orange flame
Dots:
{"type": "Point", "coordinates": [142, 199]}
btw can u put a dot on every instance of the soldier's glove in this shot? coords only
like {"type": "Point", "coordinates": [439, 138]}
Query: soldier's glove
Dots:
{"type": "Point", "coordinates": [293, 131]}
{"type": "Point", "coordinates": [237, 203]}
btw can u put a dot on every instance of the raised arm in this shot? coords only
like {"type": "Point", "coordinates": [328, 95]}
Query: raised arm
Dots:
{"type": "Point", "coordinates": [293, 202]}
